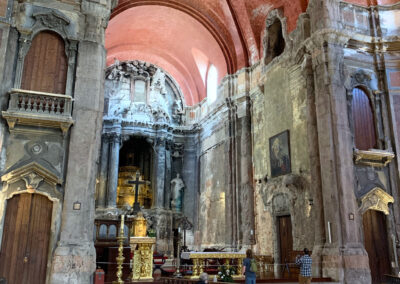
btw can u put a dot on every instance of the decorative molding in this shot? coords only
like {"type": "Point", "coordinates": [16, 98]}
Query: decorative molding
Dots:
{"type": "Point", "coordinates": [32, 181]}
{"type": "Point", "coordinates": [31, 173]}
{"type": "Point", "coordinates": [373, 157]}
{"type": "Point", "coordinates": [52, 20]}
{"type": "Point", "coordinates": [376, 199]}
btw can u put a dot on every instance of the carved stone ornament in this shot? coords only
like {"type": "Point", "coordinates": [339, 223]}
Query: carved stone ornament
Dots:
{"type": "Point", "coordinates": [134, 68]}
{"type": "Point", "coordinates": [373, 157]}
{"type": "Point", "coordinates": [52, 20]}
{"type": "Point", "coordinates": [376, 199]}
{"type": "Point", "coordinates": [32, 174]}
{"type": "Point", "coordinates": [32, 181]}
{"type": "Point", "coordinates": [360, 78]}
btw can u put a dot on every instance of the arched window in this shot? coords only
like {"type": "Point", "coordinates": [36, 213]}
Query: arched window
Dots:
{"type": "Point", "coordinates": [275, 43]}
{"type": "Point", "coordinates": [363, 121]}
{"type": "Point", "coordinates": [45, 65]}
{"type": "Point", "coordinates": [212, 84]}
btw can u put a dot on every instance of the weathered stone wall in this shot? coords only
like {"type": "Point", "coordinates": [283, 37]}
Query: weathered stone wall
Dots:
{"type": "Point", "coordinates": [214, 225]}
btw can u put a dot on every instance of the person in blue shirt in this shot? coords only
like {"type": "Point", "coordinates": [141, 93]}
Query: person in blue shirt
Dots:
{"type": "Point", "coordinates": [249, 275]}
{"type": "Point", "coordinates": [305, 263]}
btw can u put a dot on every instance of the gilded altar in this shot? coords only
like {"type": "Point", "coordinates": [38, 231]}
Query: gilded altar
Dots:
{"type": "Point", "coordinates": [126, 191]}
{"type": "Point", "coordinates": [228, 259]}
{"type": "Point", "coordinates": [142, 248]}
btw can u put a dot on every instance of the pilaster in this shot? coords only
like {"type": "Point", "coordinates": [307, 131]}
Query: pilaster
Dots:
{"type": "Point", "coordinates": [344, 257]}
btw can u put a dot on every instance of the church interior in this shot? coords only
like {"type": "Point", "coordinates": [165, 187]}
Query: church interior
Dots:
{"type": "Point", "coordinates": [137, 131]}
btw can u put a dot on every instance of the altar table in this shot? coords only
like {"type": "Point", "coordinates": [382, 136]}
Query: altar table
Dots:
{"type": "Point", "coordinates": [228, 259]}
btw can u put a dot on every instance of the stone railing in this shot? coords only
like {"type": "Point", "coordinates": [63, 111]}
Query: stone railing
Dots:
{"type": "Point", "coordinates": [39, 109]}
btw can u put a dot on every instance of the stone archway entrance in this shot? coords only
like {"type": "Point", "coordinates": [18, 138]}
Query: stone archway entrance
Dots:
{"type": "Point", "coordinates": [25, 242]}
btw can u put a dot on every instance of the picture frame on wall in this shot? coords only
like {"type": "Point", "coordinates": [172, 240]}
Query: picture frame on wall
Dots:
{"type": "Point", "coordinates": [279, 154]}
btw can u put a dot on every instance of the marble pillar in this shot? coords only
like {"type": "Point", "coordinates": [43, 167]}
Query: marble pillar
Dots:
{"type": "Point", "coordinates": [113, 162]}
{"type": "Point", "coordinates": [159, 174]}
{"type": "Point", "coordinates": [102, 194]}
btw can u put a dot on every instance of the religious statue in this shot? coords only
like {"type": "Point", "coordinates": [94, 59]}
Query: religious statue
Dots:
{"type": "Point", "coordinates": [177, 187]}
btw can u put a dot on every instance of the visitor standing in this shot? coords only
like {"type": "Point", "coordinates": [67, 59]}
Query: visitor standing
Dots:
{"type": "Point", "coordinates": [305, 263]}
{"type": "Point", "coordinates": [247, 270]}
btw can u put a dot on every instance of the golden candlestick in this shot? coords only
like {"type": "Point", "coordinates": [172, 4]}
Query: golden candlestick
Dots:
{"type": "Point", "coordinates": [120, 258]}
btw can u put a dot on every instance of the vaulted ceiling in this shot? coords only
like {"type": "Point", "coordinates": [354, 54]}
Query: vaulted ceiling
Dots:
{"type": "Point", "coordinates": [184, 37]}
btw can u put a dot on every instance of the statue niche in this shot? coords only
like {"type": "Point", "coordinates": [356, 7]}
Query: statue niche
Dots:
{"type": "Point", "coordinates": [177, 187]}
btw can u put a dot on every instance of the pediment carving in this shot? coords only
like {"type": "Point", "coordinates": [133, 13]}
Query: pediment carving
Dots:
{"type": "Point", "coordinates": [376, 199]}
{"type": "Point", "coordinates": [33, 174]}
{"type": "Point", "coordinates": [51, 20]}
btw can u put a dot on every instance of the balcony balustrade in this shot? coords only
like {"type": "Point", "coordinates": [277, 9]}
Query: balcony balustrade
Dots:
{"type": "Point", "coordinates": [39, 109]}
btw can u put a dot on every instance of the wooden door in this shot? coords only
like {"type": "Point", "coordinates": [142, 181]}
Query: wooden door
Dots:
{"type": "Point", "coordinates": [45, 65]}
{"type": "Point", "coordinates": [25, 242]}
{"type": "Point", "coordinates": [376, 244]}
{"type": "Point", "coordinates": [285, 238]}
{"type": "Point", "coordinates": [363, 118]}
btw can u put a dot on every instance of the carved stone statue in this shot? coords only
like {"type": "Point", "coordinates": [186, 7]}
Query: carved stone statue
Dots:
{"type": "Point", "coordinates": [177, 187]}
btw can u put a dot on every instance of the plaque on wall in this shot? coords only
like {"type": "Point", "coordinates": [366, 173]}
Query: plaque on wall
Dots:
{"type": "Point", "coordinates": [279, 154]}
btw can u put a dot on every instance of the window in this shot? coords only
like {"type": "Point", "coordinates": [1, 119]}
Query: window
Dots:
{"type": "Point", "coordinates": [276, 43]}
{"type": "Point", "coordinates": [212, 84]}
{"type": "Point", "coordinates": [139, 91]}
{"type": "Point", "coordinates": [363, 121]}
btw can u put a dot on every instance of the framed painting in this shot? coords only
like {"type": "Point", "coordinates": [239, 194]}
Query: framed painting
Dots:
{"type": "Point", "coordinates": [279, 154]}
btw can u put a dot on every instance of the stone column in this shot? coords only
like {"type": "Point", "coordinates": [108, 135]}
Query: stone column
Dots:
{"type": "Point", "coordinates": [102, 194]}
{"type": "Point", "coordinates": [159, 174]}
{"type": "Point", "coordinates": [343, 258]}
{"type": "Point", "coordinates": [113, 162]}
{"type": "Point", "coordinates": [315, 168]}
{"type": "Point", "coordinates": [74, 259]}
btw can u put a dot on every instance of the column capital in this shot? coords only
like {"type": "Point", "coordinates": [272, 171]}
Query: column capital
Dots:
{"type": "Point", "coordinates": [112, 137]}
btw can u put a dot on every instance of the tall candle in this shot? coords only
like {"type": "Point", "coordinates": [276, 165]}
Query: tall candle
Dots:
{"type": "Point", "coordinates": [329, 232]}
{"type": "Point", "coordinates": [122, 224]}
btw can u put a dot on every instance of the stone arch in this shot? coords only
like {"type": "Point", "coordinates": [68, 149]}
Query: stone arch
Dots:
{"type": "Point", "coordinates": [275, 40]}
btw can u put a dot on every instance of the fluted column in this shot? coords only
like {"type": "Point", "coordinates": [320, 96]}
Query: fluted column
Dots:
{"type": "Point", "coordinates": [102, 194]}
{"type": "Point", "coordinates": [113, 163]}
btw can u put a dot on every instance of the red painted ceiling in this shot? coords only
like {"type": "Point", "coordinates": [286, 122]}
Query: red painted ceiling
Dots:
{"type": "Point", "coordinates": [185, 36]}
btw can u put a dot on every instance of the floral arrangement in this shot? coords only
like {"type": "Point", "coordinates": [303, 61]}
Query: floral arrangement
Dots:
{"type": "Point", "coordinates": [151, 233]}
{"type": "Point", "coordinates": [225, 273]}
